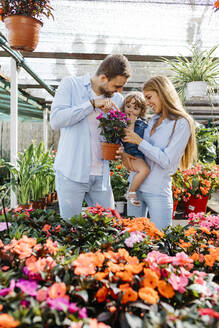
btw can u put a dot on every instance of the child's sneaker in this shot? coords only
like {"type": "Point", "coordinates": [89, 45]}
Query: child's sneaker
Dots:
{"type": "Point", "coordinates": [132, 198]}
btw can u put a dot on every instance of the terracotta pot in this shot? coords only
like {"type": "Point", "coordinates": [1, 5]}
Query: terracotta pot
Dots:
{"type": "Point", "coordinates": [23, 32]}
{"type": "Point", "coordinates": [196, 205]}
{"type": "Point", "coordinates": [25, 206]}
{"type": "Point", "coordinates": [109, 150]}
{"type": "Point", "coordinates": [174, 208]}
{"type": "Point", "coordinates": [36, 204]}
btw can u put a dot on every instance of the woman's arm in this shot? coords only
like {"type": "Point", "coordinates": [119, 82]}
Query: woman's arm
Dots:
{"type": "Point", "coordinates": [172, 153]}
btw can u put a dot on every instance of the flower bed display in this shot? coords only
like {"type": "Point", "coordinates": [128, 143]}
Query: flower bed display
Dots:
{"type": "Point", "coordinates": [103, 270]}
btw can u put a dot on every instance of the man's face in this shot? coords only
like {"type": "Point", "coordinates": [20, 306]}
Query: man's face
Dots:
{"type": "Point", "coordinates": [109, 87]}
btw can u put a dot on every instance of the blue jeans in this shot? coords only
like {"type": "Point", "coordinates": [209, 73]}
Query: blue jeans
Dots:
{"type": "Point", "coordinates": [160, 208]}
{"type": "Point", "coordinates": [71, 194]}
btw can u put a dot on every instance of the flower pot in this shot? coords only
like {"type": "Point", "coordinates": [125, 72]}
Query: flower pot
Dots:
{"type": "Point", "coordinates": [196, 205]}
{"type": "Point", "coordinates": [196, 89]}
{"type": "Point", "coordinates": [109, 150]}
{"type": "Point", "coordinates": [120, 206]}
{"type": "Point", "coordinates": [23, 32]}
{"type": "Point", "coordinates": [174, 208]}
{"type": "Point", "coordinates": [25, 206]}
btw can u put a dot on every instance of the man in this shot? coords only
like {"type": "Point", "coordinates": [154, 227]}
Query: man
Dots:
{"type": "Point", "coordinates": [80, 171]}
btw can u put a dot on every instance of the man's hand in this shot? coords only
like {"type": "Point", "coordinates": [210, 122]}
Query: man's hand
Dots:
{"type": "Point", "coordinates": [105, 104]}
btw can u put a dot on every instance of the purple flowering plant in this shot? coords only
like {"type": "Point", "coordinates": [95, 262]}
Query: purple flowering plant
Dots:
{"type": "Point", "coordinates": [112, 125]}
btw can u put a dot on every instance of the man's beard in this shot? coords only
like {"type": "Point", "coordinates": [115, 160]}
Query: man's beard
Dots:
{"type": "Point", "coordinates": [106, 93]}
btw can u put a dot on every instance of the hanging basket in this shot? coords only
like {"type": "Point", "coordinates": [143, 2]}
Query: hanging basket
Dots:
{"type": "Point", "coordinates": [196, 89]}
{"type": "Point", "coordinates": [23, 32]}
{"type": "Point", "coordinates": [196, 205]}
{"type": "Point", "coordinates": [109, 150]}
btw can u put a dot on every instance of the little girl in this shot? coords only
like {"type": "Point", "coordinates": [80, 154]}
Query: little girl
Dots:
{"type": "Point", "coordinates": [134, 106]}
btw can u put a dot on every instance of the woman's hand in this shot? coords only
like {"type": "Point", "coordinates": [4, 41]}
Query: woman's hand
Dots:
{"type": "Point", "coordinates": [131, 137]}
{"type": "Point", "coordinates": [119, 153]}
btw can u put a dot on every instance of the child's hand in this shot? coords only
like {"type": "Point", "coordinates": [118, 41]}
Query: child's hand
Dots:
{"type": "Point", "coordinates": [127, 160]}
{"type": "Point", "coordinates": [132, 117]}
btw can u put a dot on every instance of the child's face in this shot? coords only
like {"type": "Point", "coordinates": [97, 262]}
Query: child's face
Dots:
{"type": "Point", "coordinates": [132, 108]}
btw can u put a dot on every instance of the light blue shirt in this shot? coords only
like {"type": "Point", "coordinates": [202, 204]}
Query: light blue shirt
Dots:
{"type": "Point", "coordinates": [69, 113]}
{"type": "Point", "coordinates": [163, 153]}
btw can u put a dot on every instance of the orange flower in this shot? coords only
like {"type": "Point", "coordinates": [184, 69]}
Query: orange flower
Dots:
{"type": "Point", "coordinates": [195, 257]}
{"type": "Point", "coordinates": [149, 295]}
{"type": "Point", "coordinates": [51, 246]}
{"type": "Point", "coordinates": [101, 275]}
{"type": "Point", "coordinates": [125, 276]}
{"type": "Point", "coordinates": [150, 279]}
{"type": "Point", "coordinates": [165, 289]}
{"type": "Point", "coordinates": [101, 294]}
{"type": "Point", "coordinates": [7, 321]}
{"type": "Point", "coordinates": [58, 289]}
{"type": "Point", "coordinates": [93, 323]}
{"type": "Point", "coordinates": [1, 307]}
{"type": "Point", "coordinates": [85, 264]}
{"type": "Point", "coordinates": [134, 268]}
{"type": "Point", "coordinates": [190, 231]}
{"type": "Point", "coordinates": [129, 295]}
{"type": "Point", "coordinates": [209, 260]}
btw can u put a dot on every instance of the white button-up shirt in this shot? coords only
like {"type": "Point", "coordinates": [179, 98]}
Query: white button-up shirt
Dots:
{"type": "Point", "coordinates": [69, 113]}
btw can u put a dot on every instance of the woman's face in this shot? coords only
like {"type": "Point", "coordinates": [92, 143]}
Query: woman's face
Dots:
{"type": "Point", "coordinates": [132, 108]}
{"type": "Point", "coordinates": [153, 101]}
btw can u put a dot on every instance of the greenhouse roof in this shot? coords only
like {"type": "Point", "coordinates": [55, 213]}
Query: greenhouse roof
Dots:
{"type": "Point", "coordinates": [84, 32]}
{"type": "Point", "coordinates": [28, 106]}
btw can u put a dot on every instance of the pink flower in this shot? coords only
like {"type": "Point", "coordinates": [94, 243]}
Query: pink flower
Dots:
{"type": "Point", "coordinates": [178, 283]}
{"type": "Point", "coordinates": [72, 308]}
{"type": "Point", "coordinates": [59, 303]}
{"type": "Point", "coordinates": [135, 237]}
{"type": "Point", "coordinates": [82, 313]}
{"type": "Point", "coordinates": [183, 259]}
{"type": "Point", "coordinates": [28, 287]}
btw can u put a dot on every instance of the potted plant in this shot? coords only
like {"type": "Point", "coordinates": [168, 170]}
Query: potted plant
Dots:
{"type": "Point", "coordinates": [193, 76]}
{"type": "Point", "coordinates": [206, 142]}
{"type": "Point", "coordinates": [23, 19]}
{"type": "Point", "coordinates": [119, 182]}
{"type": "Point", "coordinates": [112, 127]}
{"type": "Point", "coordinates": [194, 186]}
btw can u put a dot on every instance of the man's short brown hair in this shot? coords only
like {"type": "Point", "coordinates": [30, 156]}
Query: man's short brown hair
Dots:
{"type": "Point", "coordinates": [114, 65]}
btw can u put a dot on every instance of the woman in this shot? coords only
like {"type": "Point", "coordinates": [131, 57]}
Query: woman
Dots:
{"type": "Point", "coordinates": [169, 142]}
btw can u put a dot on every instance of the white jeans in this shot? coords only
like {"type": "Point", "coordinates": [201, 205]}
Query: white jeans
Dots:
{"type": "Point", "coordinates": [71, 194]}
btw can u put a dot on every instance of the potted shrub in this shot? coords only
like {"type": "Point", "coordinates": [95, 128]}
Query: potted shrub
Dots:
{"type": "Point", "coordinates": [23, 21]}
{"type": "Point", "coordinates": [207, 139]}
{"type": "Point", "coordinates": [112, 127]}
{"type": "Point", "coordinates": [194, 76]}
{"type": "Point", "coordinates": [194, 186]}
{"type": "Point", "coordinates": [119, 182]}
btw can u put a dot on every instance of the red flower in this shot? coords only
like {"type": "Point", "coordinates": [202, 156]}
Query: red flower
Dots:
{"type": "Point", "coordinates": [207, 311]}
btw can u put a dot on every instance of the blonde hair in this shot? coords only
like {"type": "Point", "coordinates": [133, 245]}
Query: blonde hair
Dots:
{"type": "Point", "coordinates": [173, 109]}
{"type": "Point", "coordinates": [139, 102]}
